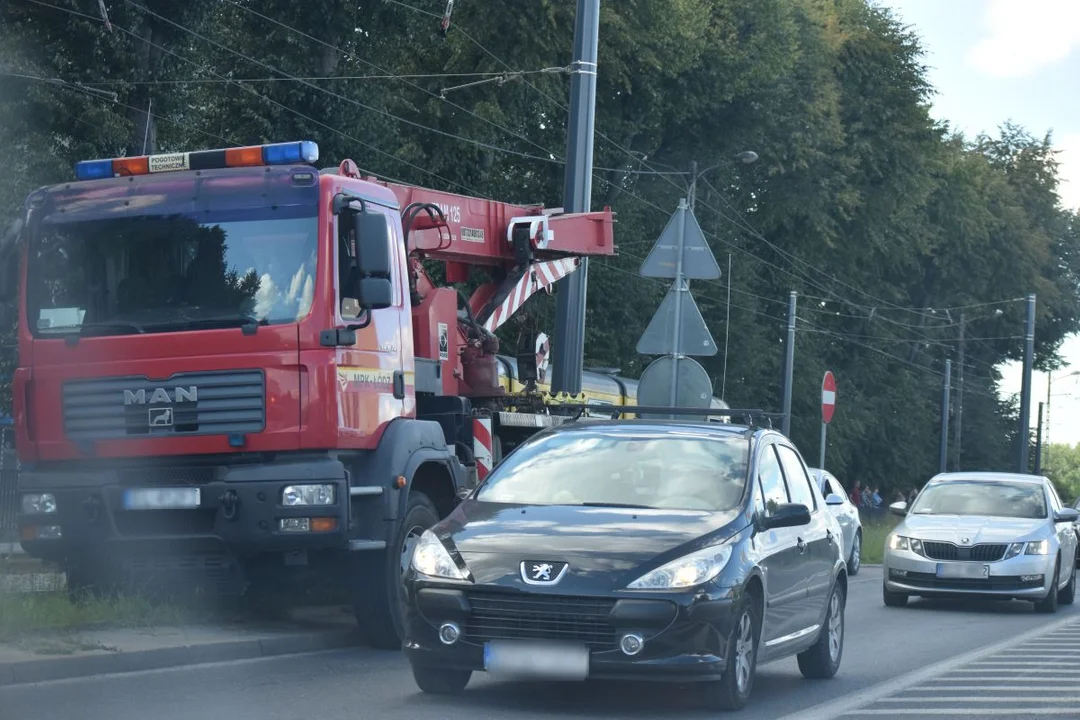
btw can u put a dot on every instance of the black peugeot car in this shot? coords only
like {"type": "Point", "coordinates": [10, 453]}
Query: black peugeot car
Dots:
{"type": "Point", "coordinates": [642, 550]}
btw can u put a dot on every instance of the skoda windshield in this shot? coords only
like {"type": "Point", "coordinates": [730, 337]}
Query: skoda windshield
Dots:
{"type": "Point", "coordinates": [169, 272]}
{"type": "Point", "coordinates": [663, 469]}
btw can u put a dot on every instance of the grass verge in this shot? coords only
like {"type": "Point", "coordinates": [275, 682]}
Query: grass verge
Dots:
{"type": "Point", "coordinates": [24, 614]}
{"type": "Point", "coordinates": [875, 529]}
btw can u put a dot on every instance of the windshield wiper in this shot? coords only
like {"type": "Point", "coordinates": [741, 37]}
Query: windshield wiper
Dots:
{"type": "Point", "coordinates": [616, 505]}
{"type": "Point", "coordinates": [247, 323]}
{"type": "Point", "coordinates": [77, 332]}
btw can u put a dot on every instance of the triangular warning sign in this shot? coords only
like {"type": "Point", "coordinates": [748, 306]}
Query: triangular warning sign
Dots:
{"type": "Point", "coordinates": [698, 260]}
{"type": "Point", "coordinates": [659, 336]}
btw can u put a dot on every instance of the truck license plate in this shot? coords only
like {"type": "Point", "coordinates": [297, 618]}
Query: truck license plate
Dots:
{"type": "Point", "coordinates": [536, 660]}
{"type": "Point", "coordinates": [161, 498]}
{"type": "Point", "coordinates": [963, 571]}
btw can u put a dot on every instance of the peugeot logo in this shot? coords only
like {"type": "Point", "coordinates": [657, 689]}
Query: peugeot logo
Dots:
{"type": "Point", "coordinates": [543, 572]}
{"type": "Point", "coordinates": [162, 396]}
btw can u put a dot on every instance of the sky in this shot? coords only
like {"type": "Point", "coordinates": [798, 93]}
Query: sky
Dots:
{"type": "Point", "coordinates": [993, 61]}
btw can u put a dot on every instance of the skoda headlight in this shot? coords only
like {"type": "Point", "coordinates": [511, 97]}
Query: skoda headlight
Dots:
{"type": "Point", "coordinates": [1038, 547]}
{"type": "Point", "coordinates": [688, 571]}
{"type": "Point", "coordinates": [432, 559]}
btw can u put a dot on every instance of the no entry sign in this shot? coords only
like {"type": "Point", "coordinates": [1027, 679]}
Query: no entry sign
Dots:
{"type": "Point", "coordinates": [828, 397]}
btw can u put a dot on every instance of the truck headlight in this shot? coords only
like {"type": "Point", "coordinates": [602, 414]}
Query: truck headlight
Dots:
{"type": "Point", "coordinates": [303, 495]}
{"type": "Point", "coordinates": [38, 504]}
{"type": "Point", "coordinates": [687, 571]}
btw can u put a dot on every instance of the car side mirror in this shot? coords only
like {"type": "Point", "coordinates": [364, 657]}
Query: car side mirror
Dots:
{"type": "Point", "coordinates": [898, 508]}
{"type": "Point", "coordinates": [1066, 515]}
{"type": "Point", "coordinates": [373, 239]}
{"type": "Point", "coordinates": [834, 499]}
{"type": "Point", "coordinates": [786, 515]}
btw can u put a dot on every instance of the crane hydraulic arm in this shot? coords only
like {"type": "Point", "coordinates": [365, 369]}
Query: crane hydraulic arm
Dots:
{"type": "Point", "coordinates": [525, 247]}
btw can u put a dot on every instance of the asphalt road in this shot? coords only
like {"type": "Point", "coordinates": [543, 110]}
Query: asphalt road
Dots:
{"type": "Point", "coordinates": [889, 669]}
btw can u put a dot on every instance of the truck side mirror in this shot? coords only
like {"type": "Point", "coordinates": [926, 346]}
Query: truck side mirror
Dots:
{"type": "Point", "coordinates": [374, 293]}
{"type": "Point", "coordinates": [373, 239]}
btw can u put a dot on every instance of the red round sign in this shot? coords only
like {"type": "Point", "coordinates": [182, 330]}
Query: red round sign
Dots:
{"type": "Point", "coordinates": [828, 397]}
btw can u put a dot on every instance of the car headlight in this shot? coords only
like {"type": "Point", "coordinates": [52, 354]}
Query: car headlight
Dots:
{"type": "Point", "coordinates": [690, 570]}
{"type": "Point", "coordinates": [38, 504]}
{"type": "Point", "coordinates": [900, 542]}
{"type": "Point", "coordinates": [303, 495]}
{"type": "Point", "coordinates": [1038, 547]}
{"type": "Point", "coordinates": [431, 558]}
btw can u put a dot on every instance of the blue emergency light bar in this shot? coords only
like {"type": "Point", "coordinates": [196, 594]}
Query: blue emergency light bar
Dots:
{"type": "Point", "coordinates": [304, 151]}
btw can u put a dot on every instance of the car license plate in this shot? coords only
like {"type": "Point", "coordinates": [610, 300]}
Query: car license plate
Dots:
{"type": "Point", "coordinates": [536, 660]}
{"type": "Point", "coordinates": [963, 571]}
{"type": "Point", "coordinates": [162, 499]}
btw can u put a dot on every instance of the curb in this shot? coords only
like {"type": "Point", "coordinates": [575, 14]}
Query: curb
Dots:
{"type": "Point", "coordinates": [66, 668]}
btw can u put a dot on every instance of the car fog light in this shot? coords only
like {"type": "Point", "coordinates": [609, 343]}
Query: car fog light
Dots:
{"type": "Point", "coordinates": [1031, 578]}
{"type": "Point", "coordinates": [631, 644]}
{"type": "Point", "coordinates": [449, 633]}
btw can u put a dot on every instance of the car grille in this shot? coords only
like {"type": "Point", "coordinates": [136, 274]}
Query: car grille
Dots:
{"type": "Point", "coordinates": [975, 553]}
{"type": "Point", "coordinates": [228, 402]}
{"type": "Point", "coordinates": [505, 616]}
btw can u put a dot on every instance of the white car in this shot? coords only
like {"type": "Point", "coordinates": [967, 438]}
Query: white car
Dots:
{"type": "Point", "coordinates": [846, 513]}
{"type": "Point", "coordinates": [999, 535]}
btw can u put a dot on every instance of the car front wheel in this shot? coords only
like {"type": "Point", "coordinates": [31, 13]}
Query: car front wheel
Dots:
{"type": "Point", "coordinates": [855, 560]}
{"type": "Point", "coordinates": [732, 691]}
{"type": "Point", "coordinates": [1049, 604]}
{"type": "Point", "coordinates": [1068, 594]}
{"type": "Point", "coordinates": [822, 660]}
{"type": "Point", "coordinates": [438, 681]}
{"type": "Point", "coordinates": [893, 599]}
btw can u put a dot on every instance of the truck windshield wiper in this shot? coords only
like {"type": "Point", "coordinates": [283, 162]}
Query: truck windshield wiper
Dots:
{"type": "Point", "coordinates": [249, 324]}
{"type": "Point", "coordinates": [77, 332]}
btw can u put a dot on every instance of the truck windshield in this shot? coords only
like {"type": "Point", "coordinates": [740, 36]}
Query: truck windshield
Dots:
{"type": "Point", "coordinates": [165, 273]}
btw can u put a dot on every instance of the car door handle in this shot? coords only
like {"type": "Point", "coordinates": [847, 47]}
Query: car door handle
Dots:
{"type": "Point", "coordinates": [801, 545]}
{"type": "Point", "coordinates": [829, 535]}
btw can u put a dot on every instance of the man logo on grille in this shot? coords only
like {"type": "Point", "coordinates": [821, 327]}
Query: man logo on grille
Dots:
{"type": "Point", "coordinates": [542, 572]}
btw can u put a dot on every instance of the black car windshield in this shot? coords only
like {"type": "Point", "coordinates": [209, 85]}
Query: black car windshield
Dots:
{"type": "Point", "coordinates": [648, 469]}
{"type": "Point", "coordinates": [990, 498]}
{"type": "Point", "coordinates": [162, 273]}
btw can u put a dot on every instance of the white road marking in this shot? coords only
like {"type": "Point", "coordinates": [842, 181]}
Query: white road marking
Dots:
{"type": "Point", "coordinates": [850, 704]}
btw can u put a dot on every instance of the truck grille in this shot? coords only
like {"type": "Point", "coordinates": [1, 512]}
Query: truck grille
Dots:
{"type": "Point", "coordinates": [975, 553]}
{"type": "Point", "coordinates": [232, 401]}
{"type": "Point", "coordinates": [505, 616]}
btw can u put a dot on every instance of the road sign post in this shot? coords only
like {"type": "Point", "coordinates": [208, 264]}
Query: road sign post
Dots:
{"type": "Point", "coordinates": [678, 330]}
{"type": "Point", "coordinates": [828, 407]}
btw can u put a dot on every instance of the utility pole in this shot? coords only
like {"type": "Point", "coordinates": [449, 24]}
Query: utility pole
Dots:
{"type": "Point", "coordinates": [944, 454]}
{"type": "Point", "coordinates": [727, 330]}
{"type": "Point", "coordinates": [960, 395]}
{"type": "Point", "coordinates": [1024, 440]}
{"type": "Point", "coordinates": [789, 363]}
{"type": "Point", "coordinates": [1039, 443]}
{"type": "Point", "coordinates": [568, 354]}
{"type": "Point", "coordinates": [692, 195]}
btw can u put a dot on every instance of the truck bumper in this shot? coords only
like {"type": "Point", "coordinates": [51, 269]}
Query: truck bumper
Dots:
{"type": "Point", "coordinates": [240, 512]}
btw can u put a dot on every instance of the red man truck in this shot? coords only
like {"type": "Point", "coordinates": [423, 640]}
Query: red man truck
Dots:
{"type": "Point", "coordinates": [235, 369]}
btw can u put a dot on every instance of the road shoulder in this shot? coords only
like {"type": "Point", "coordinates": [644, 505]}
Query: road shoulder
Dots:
{"type": "Point", "coordinates": [97, 651]}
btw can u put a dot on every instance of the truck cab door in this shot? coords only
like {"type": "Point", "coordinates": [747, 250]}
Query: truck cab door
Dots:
{"type": "Point", "coordinates": [372, 379]}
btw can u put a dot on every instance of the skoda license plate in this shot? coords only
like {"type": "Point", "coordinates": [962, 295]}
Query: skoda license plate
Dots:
{"type": "Point", "coordinates": [161, 499]}
{"type": "Point", "coordinates": [963, 571]}
{"type": "Point", "coordinates": [536, 660]}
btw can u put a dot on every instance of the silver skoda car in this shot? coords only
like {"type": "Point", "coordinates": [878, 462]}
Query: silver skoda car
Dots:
{"type": "Point", "coordinates": [985, 534]}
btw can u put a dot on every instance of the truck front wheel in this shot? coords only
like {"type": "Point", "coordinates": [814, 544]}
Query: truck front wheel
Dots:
{"type": "Point", "coordinates": [380, 606]}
